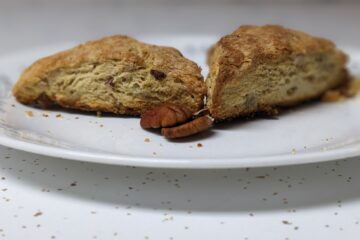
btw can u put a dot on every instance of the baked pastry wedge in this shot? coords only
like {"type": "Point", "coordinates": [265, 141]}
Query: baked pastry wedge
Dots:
{"type": "Point", "coordinates": [115, 74]}
{"type": "Point", "coordinates": [259, 68]}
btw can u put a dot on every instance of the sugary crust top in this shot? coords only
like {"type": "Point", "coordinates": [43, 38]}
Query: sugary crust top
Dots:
{"type": "Point", "coordinates": [248, 45]}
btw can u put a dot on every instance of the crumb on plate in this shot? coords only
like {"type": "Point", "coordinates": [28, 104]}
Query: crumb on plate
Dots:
{"type": "Point", "coordinates": [29, 114]}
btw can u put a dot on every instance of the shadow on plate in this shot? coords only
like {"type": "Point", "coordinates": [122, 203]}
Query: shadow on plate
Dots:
{"type": "Point", "coordinates": [231, 190]}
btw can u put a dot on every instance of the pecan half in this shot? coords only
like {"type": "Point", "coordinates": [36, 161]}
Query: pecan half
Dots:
{"type": "Point", "coordinates": [190, 128]}
{"type": "Point", "coordinates": [165, 116]}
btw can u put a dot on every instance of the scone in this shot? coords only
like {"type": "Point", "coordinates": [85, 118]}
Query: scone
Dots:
{"type": "Point", "coordinates": [259, 68]}
{"type": "Point", "coordinates": [115, 74]}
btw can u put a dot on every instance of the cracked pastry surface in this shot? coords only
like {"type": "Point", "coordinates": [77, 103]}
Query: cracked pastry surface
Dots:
{"type": "Point", "coordinates": [259, 68]}
{"type": "Point", "coordinates": [115, 74]}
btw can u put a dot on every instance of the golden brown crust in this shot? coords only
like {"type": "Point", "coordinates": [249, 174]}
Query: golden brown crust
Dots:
{"type": "Point", "coordinates": [249, 46]}
{"type": "Point", "coordinates": [164, 62]}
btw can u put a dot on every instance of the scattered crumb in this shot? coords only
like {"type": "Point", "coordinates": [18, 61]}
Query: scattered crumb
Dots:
{"type": "Point", "coordinates": [38, 214]}
{"type": "Point", "coordinates": [45, 115]}
{"type": "Point", "coordinates": [199, 145]}
{"type": "Point", "coordinates": [293, 151]}
{"type": "Point", "coordinates": [350, 90]}
{"type": "Point", "coordinates": [261, 177]}
{"type": "Point", "coordinates": [59, 116]}
{"type": "Point", "coordinates": [98, 114]}
{"type": "Point", "coordinates": [29, 114]}
{"type": "Point", "coordinates": [101, 125]}
{"type": "Point", "coordinates": [147, 140]}
{"type": "Point", "coordinates": [154, 153]}
{"type": "Point", "coordinates": [354, 87]}
{"type": "Point", "coordinates": [286, 222]}
{"type": "Point", "coordinates": [73, 184]}
{"type": "Point", "coordinates": [332, 96]}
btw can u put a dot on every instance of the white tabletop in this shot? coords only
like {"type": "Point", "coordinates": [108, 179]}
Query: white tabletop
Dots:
{"type": "Point", "coordinates": [49, 198]}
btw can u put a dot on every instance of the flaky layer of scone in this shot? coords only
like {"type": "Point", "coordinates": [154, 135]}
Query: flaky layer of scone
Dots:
{"type": "Point", "coordinates": [260, 68]}
{"type": "Point", "coordinates": [115, 74]}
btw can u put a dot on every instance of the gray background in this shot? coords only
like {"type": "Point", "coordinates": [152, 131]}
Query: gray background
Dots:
{"type": "Point", "coordinates": [33, 23]}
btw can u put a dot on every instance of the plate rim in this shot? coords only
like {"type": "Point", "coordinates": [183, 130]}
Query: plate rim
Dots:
{"type": "Point", "coordinates": [184, 163]}
{"type": "Point", "coordinates": [349, 151]}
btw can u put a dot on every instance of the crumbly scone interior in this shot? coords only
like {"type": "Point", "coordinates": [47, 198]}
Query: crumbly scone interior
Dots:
{"type": "Point", "coordinates": [272, 84]}
{"type": "Point", "coordinates": [110, 83]}
{"type": "Point", "coordinates": [115, 74]}
{"type": "Point", "coordinates": [212, 75]}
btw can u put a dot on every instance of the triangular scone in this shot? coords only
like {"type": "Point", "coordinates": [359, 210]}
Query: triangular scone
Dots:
{"type": "Point", "coordinates": [115, 74]}
{"type": "Point", "coordinates": [259, 68]}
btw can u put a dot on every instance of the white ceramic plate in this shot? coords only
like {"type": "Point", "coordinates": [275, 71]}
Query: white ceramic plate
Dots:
{"type": "Point", "coordinates": [316, 132]}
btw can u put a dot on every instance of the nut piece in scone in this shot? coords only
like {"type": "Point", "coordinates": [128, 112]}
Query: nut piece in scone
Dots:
{"type": "Point", "coordinates": [115, 74]}
{"type": "Point", "coordinates": [260, 68]}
